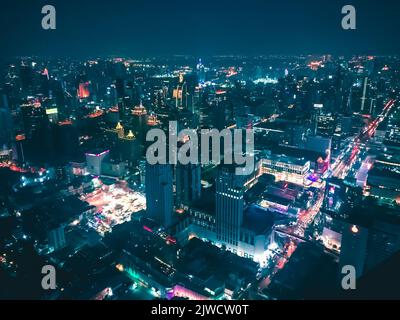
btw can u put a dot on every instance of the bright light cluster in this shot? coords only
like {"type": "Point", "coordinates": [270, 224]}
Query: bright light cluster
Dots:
{"type": "Point", "coordinates": [115, 205]}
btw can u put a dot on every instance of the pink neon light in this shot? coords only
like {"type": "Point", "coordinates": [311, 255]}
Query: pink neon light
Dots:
{"type": "Point", "coordinates": [180, 291]}
{"type": "Point", "coordinates": [147, 229]}
{"type": "Point", "coordinates": [97, 155]}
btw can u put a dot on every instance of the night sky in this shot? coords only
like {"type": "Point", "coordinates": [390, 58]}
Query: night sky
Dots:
{"type": "Point", "coordinates": [208, 27]}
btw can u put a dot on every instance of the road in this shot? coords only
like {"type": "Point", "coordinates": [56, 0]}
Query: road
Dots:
{"type": "Point", "coordinates": [295, 234]}
{"type": "Point", "coordinates": [346, 159]}
{"type": "Point", "coordinates": [340, 169]}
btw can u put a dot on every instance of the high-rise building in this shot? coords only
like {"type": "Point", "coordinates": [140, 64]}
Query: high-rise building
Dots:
{"type": "Point", "coordinates": [335, 196]}
{"type": "Point", "coordinates": [83, 90]}
{"type": "Point", "coordinates": [139, 122]}
{"type": "Point", "coordinates": [52, 114]}
{"type": "Point", "coordinates": [56, 238]}
{"type": "Point", "coordinates": [67, 142]}
{"type": "Point", "coordinates": [94, 161]}
{"type": "Point", "coordinates": [364, 94]}
{"type": "Point", "coordinates": [188, 183]}
{"type": "Point", "coordinates": [326, 125]}
{"type": "Point", "coordinates": [354, 247]}
{"type": "Point", "coordinates": [229, 206]}
{"type": "Point", "coordinates": [315, 116]}
{"type": "Point", "coordinates": [159, 193]}
{"type": "Point", "coordinates": [319, 144]}
{"type": "Point", "coordinates": [286, 168]}
{"type": "Point", "coordinates": [33, 117]}
{"type": "Point", "coordinates": [370, 242]}
{"type": "Point", "coordinates": [120, 88]}
{"type": "Point", "coordinates": [196, 101]}
{"type": "Point", "coordinates": [5, 126]}
{"type": "Point", "coordinates": [120, 130]}
{"type": "Point", "coordinates": [124, 100]}
{"type": "Point", "coordinates": [125, 106]}
{"type": "Point", "coordinates": [384, 240]}
{"type": "Point", "coordinates": [26, 76]}
{"type": "Point", "coordinates": [130, 149]}
{"type": "Point", "coordinates": [201, 72]}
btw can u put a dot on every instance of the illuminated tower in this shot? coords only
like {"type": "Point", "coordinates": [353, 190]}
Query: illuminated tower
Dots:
{"type": "Point", "coordinates": [83, 90]}
{"type": "Point", "coordinates": [152, 120]}
{"type": "Point", "coordinates": [139, 114]}
{"type": "Point", "coordinates": [315, 117]}
{"type": "Point", "coordinates": [229, 206]}
{"type": "Point", "coordinates": [130, 150]}
{"type": "Point", "coordinates": [196, 101]}
{"type": "Point", "coordinates": [201, 72]}
{"type": "Point", "coordinates": [180, 94]}
{"type": "Point", "coordinates": [130, 135]}
{"type": "Point", "coordinates": [364, 95]}
{"type": "Point", "coordinates": [334, 198]}
{"type": "Point", "coordinates": [120, 130]}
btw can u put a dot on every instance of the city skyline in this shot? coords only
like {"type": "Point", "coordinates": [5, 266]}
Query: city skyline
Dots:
{"type": "Point", "coordinates": [218, 152]}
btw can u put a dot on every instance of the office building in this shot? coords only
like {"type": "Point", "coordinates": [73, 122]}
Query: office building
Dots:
{"type": "Point", "coordinates": [56, 238]}
{"type": "Point", "coordinates": [229, 205]}
{"type": "Point", "coordinates": [188, 183]}
{"type": "Point", "coordinates": [354, 247]}
{"type": "Point", "coordinates": [94, 161]}
{"type": "Point", "coordinates": [159, 193]}
{"type": "Point", "coordinates": [286, 168]}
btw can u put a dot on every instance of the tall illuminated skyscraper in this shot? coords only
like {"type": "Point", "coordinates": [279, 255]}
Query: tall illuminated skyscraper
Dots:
{"type": "Point", "coordinates": [201, 72]}
{"type": "Point", "coordinates": [364, 95]}
{"type": "Point", "coordinates": [229, 205]}
{"type": "Point", "coordinates": [83, 90]}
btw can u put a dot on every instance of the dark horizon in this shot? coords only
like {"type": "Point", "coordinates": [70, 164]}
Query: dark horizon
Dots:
{"type": "Point", "coordinates": [177, 27]}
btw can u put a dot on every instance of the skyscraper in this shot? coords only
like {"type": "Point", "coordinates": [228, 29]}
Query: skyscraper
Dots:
{"type": "Point", "coordinates": [384, 240]}
{"type": "Point", "coordinates": [364, 95]}
{"type": "Point", "coordinates": [371, 241]}
{"type": "Point", "coordinates": [56, 238]}
{"type": "Point", "coordinates": [94, 161]}
{"type": "Point", "coordinates": [229, 205]}
{"type": "Point", "coordinates": [26, 77]}
{"type": "Point", "coordinates": [354, 247]}
{"type": "Point", "coordinates": [188, 183]}
{"type": "Point", "coordinates": [335, 196]}
{"type": "Point", "coordinates": [139, 122]}
{"type": "Point", "coordinates": [159, 193]}
{"type": "Point", "coordinates": [124, 101]}
{"type": "Point", "coordinates": [83, 90]}
{"type": "Point", "coordinates": [5, 121]}
{"type": "Point", "coordinates": [201, 72]}
{"type": "Point", "coordinates": [33, 117]}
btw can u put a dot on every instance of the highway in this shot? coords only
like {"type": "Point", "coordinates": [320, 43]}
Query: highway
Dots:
{"type": "Point", "coordinates": [349, 155]}
{"type": "Point", "coordinates": [297, 233]}
{"type": "Point", "coordinates": [340, 169]}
